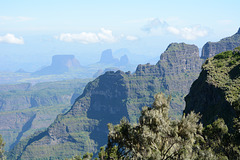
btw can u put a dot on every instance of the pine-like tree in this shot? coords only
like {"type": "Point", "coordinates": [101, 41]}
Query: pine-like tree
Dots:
{"type": "Point", "coordinates": [156, 136]}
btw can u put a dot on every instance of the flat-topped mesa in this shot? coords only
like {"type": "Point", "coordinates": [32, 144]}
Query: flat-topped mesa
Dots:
{"type": "Point", "coordinates": [210, 49]}
{"type": "Point", "coordinates": [68, 61]}
{"type": "Point", "coordinates": [180, 57]}
{"type": "Point", "coordinates": [180, 64]}
{"type": "Point", "coordinates": [60, 64]}
{"type": "Point", "coordinates": [110, 97]}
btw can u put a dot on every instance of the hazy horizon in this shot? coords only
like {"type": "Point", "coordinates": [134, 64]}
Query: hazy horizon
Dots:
{"type": "Point", "coordinates": [32, 32]}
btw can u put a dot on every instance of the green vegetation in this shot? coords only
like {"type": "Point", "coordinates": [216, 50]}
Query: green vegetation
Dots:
{"type": "Point", "coordinates": [158, 137]}
{"type": "Point", "coordinates": [217, 89]}
{"type": "Point", "coordinates": [109, 98]}
{"type": "Point", "coordinates": [2, 144]}
{"type": "Point", "coordinates": [86, 156]}
{"type": "Point", "coordinates": [26, 109]}
{"type": "Point", "coordinates": [223, 72]}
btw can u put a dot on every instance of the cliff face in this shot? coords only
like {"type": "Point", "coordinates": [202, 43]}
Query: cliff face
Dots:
{"type": "Point", "coordinates": [25, 108]}
{"type": "Point", "coordinates": [60, 64]}
{"type": "Point", "coordinates": [210, 49]}
{"type": "Point", "coordinates": [216, 89]}
{"type": "Point", "coordinates": [110, 97]}
{"type": "Point", "coordinates": [181, 65]}
{"type": "Point", "coordinates": [25, 96]}
{"type": "Point", "coordinates": [107, 58]}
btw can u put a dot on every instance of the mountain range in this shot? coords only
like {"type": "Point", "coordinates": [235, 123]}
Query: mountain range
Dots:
{"type": "Point", "coordinates": [116, 94]}
{"type": "Point", "coordinates": [26, 108]}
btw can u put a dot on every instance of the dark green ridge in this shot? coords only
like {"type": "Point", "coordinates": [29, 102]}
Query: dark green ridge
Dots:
{"type": "Point", "coordinates": [110, 97]}
{"type": "Point", "coordinates": [217, 88]}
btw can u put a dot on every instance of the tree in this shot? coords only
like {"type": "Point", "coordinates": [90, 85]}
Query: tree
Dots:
{"type": "Point", "coordinates": [156, 136]}
{"type": "Point", "coordinates": [2, 144]}
{"type": "Point", "coordinates": [87, 156]}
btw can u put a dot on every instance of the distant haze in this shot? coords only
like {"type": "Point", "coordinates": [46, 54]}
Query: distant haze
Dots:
{"type": "Point", "coordinates": [31, 32]}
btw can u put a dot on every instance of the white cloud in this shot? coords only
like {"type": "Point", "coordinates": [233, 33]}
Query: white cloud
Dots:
{"type": "Point", "coordinates": [159, 27]}
{"type": "Point", "coordinates": [106, 35]}
{"type": "Point", "coordinates": [192, 33]}
{"type": "Point", "coordinates": [153, 24]}
{"type": "Point", "coordinates": [83, 37]}
{"type": "Point", "coordinates": [189, 33]}
{"type": "Point", "coordinates": [5, 18]}
{"type": "Point", "coordinates": [173, 30]}
{"type": "Point", "coordinates": [16, 19]}
{"type": "Point", "coordinates": [131, 38]}
{"type": "Point", "coordinates": [90, 37]}
{"type": "Point", "coordinates": [10, 38]}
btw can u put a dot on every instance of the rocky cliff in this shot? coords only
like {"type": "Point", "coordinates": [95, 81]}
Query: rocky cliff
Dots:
{"type": "Point", "coordinates": [110, 97]}
{"type": "Point", "coordinates": [60, 64]}
{"type": "Point", "coordinates": [217, 88]}
{"type": "Point", "coordinates": [25, 108]}
{"type": "Point", "coordinates": [212, 48]}
{"type": "Point", "coordinates": [107, 58]}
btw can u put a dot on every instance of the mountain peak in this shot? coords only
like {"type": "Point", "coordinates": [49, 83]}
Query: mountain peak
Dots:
{"type": "Point", "coordinates": [60, 64]}
{"type": "Point", "coordinates": [107, 57]}
{"type": "Point", "coordinates": [210, 49]}
{"type": "Point", "coordinates": [238, 31]}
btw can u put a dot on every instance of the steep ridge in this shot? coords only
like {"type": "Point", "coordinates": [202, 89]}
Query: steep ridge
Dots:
{"type": "Point", "coordinates": [110, 97]}
{"type": "Point", "coordinates": [38, 105]}
{"type": "Point", "coordinates": [216, 90]}
{"type": "Point", "coordinates": [210, 49]}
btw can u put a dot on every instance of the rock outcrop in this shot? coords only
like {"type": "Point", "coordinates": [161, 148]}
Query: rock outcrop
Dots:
{"type": "Point", "coordinates": [216, 90]}
{"type": "Point", "coordinates": [210, 49]}
{"type": "Point", "coordinates": [107, 58]}
{"type": "Point", "coordinates": [123, 60]}
{"type": "Point", "coordinates": [100, 72]}
{"type": "Point", "coordinates": [60, 64]}
{"type": "Point", "coordinates": [110, 97]}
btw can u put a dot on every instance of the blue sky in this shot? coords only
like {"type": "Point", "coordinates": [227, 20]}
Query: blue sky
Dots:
{"type": "Point", "coordinates": [37, 29]}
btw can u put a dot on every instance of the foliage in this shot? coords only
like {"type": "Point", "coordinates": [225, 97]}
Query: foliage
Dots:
{"type": "Point", "coordinates": [223, 72]}
{"type": "Point", "coordinates": [86, 156]}
{"type": "Point", "coordinates": [156, 136]}
{"type": "Point", "coordinates": [223, 55]}
{"type": "Point", "coordinates": [2, 157]}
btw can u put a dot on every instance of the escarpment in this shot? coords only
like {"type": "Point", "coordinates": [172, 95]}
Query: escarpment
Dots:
{"type": "Point", "coordinates": [109, 98]}
{"type": "Point", "coordinates": [217, 89]}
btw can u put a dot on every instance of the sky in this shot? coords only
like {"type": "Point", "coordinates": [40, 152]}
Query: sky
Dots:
{"type": "Point", "coordinates": [32, 31]}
